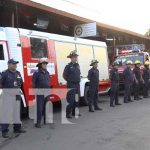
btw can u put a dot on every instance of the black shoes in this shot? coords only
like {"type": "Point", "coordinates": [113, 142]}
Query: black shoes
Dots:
{"type": "Point", "coordinates": [37, 125]}
{"type": "Point", "coordinates": [79, 115]}
{"type": "Point", "coordinates": [138, 98]}
{"type": "Point", "coordinates": [95, 108]}
{"type": "Point", "coordinates": [16, 133]}
{"type": "Point", "coordinates": [112, 105]}
{"type": "Point", "coordinates": [91, 110]}
{"type": "Point", "coordinates": [118, 104]}
{"type": "Point", "coordinates": [20, 131]}
{"type": "Point", "coordinates": [98, 108]}
{"type": "Point", "coordinates": [146, 96]}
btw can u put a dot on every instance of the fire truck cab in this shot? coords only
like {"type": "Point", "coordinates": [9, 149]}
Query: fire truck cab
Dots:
{"type": "Point", "coordinates": [28, 46]}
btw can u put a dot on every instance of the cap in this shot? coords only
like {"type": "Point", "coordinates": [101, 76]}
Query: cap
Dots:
{"type": "Point", "coordinates": [93, 62]}
{"type": "Point", "coordinates": [42, 60]}
{"type": "Point", "coordinates": [73, 54]}
{"type": "Point", "coordinates": [12, 61]}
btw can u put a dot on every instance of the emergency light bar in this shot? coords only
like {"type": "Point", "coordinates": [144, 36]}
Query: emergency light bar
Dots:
{"type": "Point", "coordinates": [129, 51]}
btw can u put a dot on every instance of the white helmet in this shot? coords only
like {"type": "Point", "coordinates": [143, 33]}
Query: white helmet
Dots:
{"type": "Point", "coordinates": [42, 60]}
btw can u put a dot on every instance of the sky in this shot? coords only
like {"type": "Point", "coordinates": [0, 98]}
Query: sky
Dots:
{"type": "Point", "coordinates": [132, 15]}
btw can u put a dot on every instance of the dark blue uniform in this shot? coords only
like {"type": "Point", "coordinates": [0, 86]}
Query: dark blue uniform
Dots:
{"type": "Point", "coordinates": [128, 82]}
{"type": "Point", "coordinates": [146, 77]}
{"type": "Point", "coordinates": [72, 75]}
{"type": "Point", "coordinates": [136, 85]}
{"type": "Point", "coordinates": [12, 80]}
{"type": "Point", "coordinates": [93, 76]}
{"type": "Point", "coordinates": [114, 77]}
{"type": "Point", "coordinates": [41, 80]}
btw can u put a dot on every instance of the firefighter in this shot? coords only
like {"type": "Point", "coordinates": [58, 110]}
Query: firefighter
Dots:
{"type": "Point", "coordinates": [137, 76]}
{"type": "Point", "coordinates": [114, 77]}
{"type": "Point", "coordinates": [11, 78]}
{"type": "Point", "coordinates": [41, 80]}
{"type": "Point", "coordinates": [93, 76]}
{"type": "Point", "coordinates": [128, 82]}
{"type": "Point", "coordinates": [146, 78]}
{"type": "Point", "coordinates": [72, 75]}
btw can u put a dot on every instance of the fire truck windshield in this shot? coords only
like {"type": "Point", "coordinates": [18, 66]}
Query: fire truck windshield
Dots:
{"type": "Point", "coordinates": [122, 59]}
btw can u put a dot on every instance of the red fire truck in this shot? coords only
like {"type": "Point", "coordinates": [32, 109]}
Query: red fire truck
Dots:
{"type": "Point", "coordinates": [132, 55]}
{"type": "Point", "coordinates": [28, 46]}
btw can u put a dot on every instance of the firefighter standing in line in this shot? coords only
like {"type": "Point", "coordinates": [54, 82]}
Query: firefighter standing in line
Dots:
{"type": "Point", "coordinates": [137, 75]}
{"type": "Point", "coordinates": [93, 76]}
{"type": "Point", "coordinates": [114, 77]}
{"type": "Point", "coordinates": [41, 80]}
{"type": "Point", "coordinates": [72, 75]}
{"type": "Point", "coordinates": [11, 78]}
{"type": "Point", "coordinates": [146, 78]}
{"type": "Point", "coordinates": [128, 82]}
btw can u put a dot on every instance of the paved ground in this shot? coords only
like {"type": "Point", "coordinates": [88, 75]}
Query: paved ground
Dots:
{"type": "Point", "coordinates": [125, 127]}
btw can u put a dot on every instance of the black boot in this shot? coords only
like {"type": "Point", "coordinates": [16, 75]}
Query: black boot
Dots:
{"type": "Point", "coordinates": [118, 104]}
{"type": "Point", "coordinates": [112, 105]}
{"type": "Point", "coordinates": [91, 109]}
{"type": "Point", "coordinates": [98, 108]}
{"type": "Point", "coordinates": [38, 125]}
{"type": "Point", "coordinates": [130, 100]}
{"type": "Point", "coordinates": [20, 131]}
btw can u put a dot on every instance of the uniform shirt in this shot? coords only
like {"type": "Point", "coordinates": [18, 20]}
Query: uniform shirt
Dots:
{"type": "Point", "coordinates": [11, 79]}
{"type": "Point", "coordinates": [137, 73]}
{"type": "Point", "coordinates": [93, 75]}
{"type": "Point", "coordinates": [41, 79]}
{"type": "Point", "coordinates": [114, 76]}
{"type": "Point", "coordinates": [128, 75]}
{"type": "Point", "coordinates": [72, 73]}
{"type": "Point", "coordinates": [146, 74]}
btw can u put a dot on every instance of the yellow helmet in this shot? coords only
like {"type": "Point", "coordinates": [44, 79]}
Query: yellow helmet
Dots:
{"type": "Point", "coordinates": [147, 63]}
{"type": "Point", "coordinates": [137, 62]}
{"type": "Point", "coordinates": [129, 62]}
